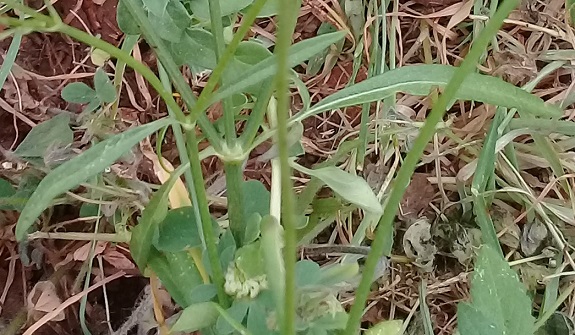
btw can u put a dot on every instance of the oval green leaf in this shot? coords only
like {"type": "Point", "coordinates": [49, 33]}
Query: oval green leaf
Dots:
{"type": "Point", "coordinates": [126, 21]}
{"type": "Point", "coordinates": [178, 231]}
{"type": "Point", "coordinates": [78, 93]}
{"type": "Point", "coordinates": [196, 317]}
{"type": "Point", "coordinates": [80, 169]}
{"type": "Point", "coordinates": [104, 87]}
{"type": "Point", "coordinates": [349, 187]}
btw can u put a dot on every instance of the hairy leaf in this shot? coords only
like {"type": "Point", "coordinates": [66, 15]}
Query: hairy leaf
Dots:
{"type": "Point", "coordinates": [156, 6]}
{"type": "Point", "coordinates": [178, 231]}
{"type": "Point", "coordinates": [51, 133]}
{"type": "Point", "coordinates": [499, 303]}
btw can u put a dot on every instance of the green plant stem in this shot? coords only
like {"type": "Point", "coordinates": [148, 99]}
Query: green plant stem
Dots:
{"type": "Point", "coordinates": [404, 174]}
{"type": "Point", "coordinates": [10, 57]}
{"type": "Point", "coordinates": [183, 154]}
{"type": "Point", "coordinates": [206, 219]}
{"type": "Point", "coordinates": [256, 118]}
{"type": "Point", "coordinates": [28, 11]}
{"type": "Point", "coordinates": [286, 23]}
{"type": "Point", "coordinates": [45, 23]}
{"type": "Point", "coordinates": [233, 168]}
{"type": "Point", "coordinates": [234, 179]}
{"type": "Point", "coordinates": [163, 53]}
{"type": "Point", "coordinates": [127, 46]}
{"type": "Point", "coordinates": [87, 279]}
{"type": "Point", "coordinates": [217, 28]}
{"type": "Point", "coordinates": [207, 93]}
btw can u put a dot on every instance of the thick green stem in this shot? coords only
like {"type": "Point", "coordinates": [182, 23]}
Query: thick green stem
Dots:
{"type": "Point", "coordinates": [232, 168]}
{"type": "Point", "coordinates": [286, 23]}
{"type": "Point", "coordinates": [206, 219]}
{"type": "Point", "coordinates": [382, 242]}
{"type": "Point", "coordinates": [234, 178]}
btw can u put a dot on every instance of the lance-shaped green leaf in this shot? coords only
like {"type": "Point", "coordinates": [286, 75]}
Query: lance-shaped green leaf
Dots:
{"type": "Point", "coordinates": [422, 79]}
{"type": "Point", "coordinates": [79, 169]}
{"type": "Point", "coordinates": [298, 53]}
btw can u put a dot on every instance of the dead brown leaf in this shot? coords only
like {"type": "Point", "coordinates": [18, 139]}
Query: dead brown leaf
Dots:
{"type": "Point", "coordinates": [42, 300]}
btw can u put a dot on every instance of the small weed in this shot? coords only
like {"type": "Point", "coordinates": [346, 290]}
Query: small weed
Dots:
{"type": "Point", "coordinates": [239, 274]}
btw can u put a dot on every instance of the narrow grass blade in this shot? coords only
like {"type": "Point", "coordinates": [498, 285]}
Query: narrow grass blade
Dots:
{"type": "Point", "coordinates": [485, 172]}
{"type": "Point", "coordinates": [80, 169]}
{"type": "Point", "coordinates": [421, 79]}
{"type": "Point", "coordinates": [545, 127]}
{"type": "Point", "coordinates": [425, 315]}
{"type": "Point", "coordinates": [10, 57]}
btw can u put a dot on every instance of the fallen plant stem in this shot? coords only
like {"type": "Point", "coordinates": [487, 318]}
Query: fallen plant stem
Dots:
{"type": "Point", "coordinates": [116, 238]}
